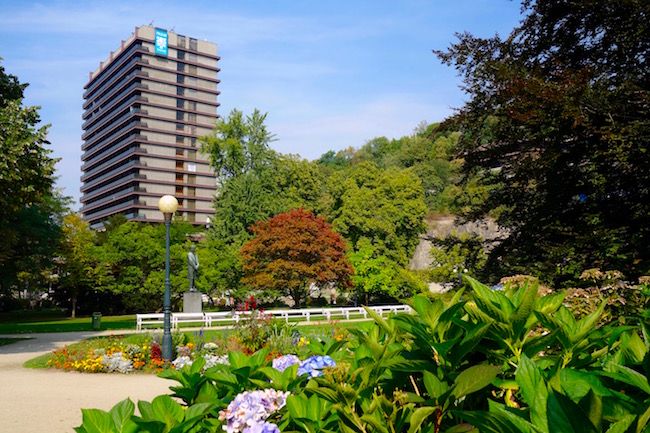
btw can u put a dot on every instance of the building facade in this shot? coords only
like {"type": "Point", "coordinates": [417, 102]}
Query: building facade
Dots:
{"type": "Point", "coordinates": [145, 107]}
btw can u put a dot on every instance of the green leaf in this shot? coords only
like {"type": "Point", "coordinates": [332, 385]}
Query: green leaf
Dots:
{"type": "Point", "coordinates": [534, 391]}
{"type": "Point", "coordinates": [167, 410]}
{"type": "Point", "coordinates": [631, 377]}
{"type": "Point", "coordinates": [522, 424]}
{"type": "Point", "coordinates": [97, 421]}
{"type": "Point", "coordinates": [474, 378]}
{"type": "Point", "coordinates": [379, 320]}
{"type": "Point", "coordinates": [588, 323]}
{"type": "Point", "coordinates": [297, 406]}
{"type": "Point", "coordinates": [592, 405]}
{"type": "Point", "coordinates": [146, 410]}
{"type": "Point", "coordinates": [550, 303]}
{"type": "Point", "coordinates": [435, 388]}
{"type": "Point", "coordinates": [622, 425]}
{"type": "Point", "coordinates": [198, 411]}
{"type": "Point", "coordinates": [469, 342]}
{"type": "Point", "coordinates": [524, 310]}
{"type": "Point", "coordinates": [121, 414]}
{"type": "Point", "coordinates": [566, 416]}
{"type": "Point", "coordinates": [418, 416]}
{"type": "Point", "coordinates": [237, 359]}
{"type": "Point", "coordinates": [488, 422]}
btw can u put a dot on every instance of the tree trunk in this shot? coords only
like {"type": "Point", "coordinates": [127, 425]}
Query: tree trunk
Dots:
{"type": "Point", "coordinates": [74, 307]}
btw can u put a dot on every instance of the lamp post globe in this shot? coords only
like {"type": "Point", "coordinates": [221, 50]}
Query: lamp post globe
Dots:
{"type": "Point", "coordinates": [167, 205]}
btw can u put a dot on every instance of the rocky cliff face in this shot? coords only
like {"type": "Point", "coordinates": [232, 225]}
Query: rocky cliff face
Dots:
{"type": "Point", "coordinates": [444, 226]}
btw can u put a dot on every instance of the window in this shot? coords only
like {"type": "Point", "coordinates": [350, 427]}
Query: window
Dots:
{"type": "Point", "coordinates": [180, 152]}
{"type": "Point", "coordinates": [191, 117]}
{"type": "Point", "coordinates": [191, 69]}
{"type": "Point", "coordinates": [193, 141]}
{"type": "Point", "coordinates": [180, 79]}
{"type": "Point", "coordinates": [193, 44]}
{"type": "Point", "coordinates": [191, 154]}
{"type": "Point", "coordinates": [179, 115]}
{"type": "Point", "coordinates": [180, 127]}
{"type": "Point", "coordinates": [191, 105]}
{"type": "Point", "coordinates": [180, 41]}
{"type": "Point", "coordinates": [181, 54]}
{"type": "Point", "coordinates": [179, 177]}
{"type": "Point", "coordinates": [180, 67]}
{"type": "Point", "coordinates": [191, 191]}
{"type": "Point", "coordinates": [191, 166]}
{"type": "Point", "coordinates": [192, 57]}
{"type": "Point", "coordinates": [180, 103]}
{"type": "Point", "coordinates": [191, 178]}
{"type": "Point", "coordinates": [180, 91]}
{"type": "Point", "coordinates": [191, 81]}
{"type": "Point", "coordinates": [179, 190]}
{"type": "Point", "coordinates": [180, 139]}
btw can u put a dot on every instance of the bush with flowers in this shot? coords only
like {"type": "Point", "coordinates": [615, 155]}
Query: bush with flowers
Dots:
{"type": "Point", "coordinates": [505, 361]}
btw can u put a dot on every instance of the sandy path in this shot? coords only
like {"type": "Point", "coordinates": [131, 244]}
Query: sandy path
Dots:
{"type": "Point", "coordinates": [50, 401]}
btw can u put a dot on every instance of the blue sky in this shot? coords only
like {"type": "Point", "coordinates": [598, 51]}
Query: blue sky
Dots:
{"type": "Point", "coordinates": [330, 74]}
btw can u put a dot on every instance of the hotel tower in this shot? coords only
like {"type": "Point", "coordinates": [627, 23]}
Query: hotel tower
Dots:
{"type": "Point", "coordinates": [144, 108]}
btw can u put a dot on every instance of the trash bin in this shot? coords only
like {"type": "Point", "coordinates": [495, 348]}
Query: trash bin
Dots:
{"type": "Point", "coordinates": [97, 321]}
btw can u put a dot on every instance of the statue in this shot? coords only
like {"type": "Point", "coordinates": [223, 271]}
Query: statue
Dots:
{"type": "Point", "coordinates": [192, 267]}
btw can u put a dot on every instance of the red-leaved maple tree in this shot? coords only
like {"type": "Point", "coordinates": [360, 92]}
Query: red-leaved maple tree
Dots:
{"type": "Point", "coordinates": [293, 250]}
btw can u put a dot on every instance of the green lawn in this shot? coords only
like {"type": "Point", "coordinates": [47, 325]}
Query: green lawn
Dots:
{"type": "Point", "coordinates": [54, 321]}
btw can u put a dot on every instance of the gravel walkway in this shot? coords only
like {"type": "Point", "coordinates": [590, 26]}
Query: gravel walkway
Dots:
{"type": "Point", "coordinates": [50, 401]}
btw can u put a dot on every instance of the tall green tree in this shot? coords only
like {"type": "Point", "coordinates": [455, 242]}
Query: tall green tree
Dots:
{"type": "Point", "coordinates": [561, 108]}
{"type": "Point", "coordinates": [80, 269]}
{"type": "Point", "coordinates": [30, 208]}
{"type": "Point", "coordinates": [256, 183]}
{"type": "Point", "coordinates": [135, 256]}
{"type": "Point", "coordinates": [385, 207]}
{"type": "Point", "coordinates": [238, 145]}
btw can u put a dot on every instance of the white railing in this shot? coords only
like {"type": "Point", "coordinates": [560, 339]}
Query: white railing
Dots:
{"type": "Point", "coordinates": [210, 319]}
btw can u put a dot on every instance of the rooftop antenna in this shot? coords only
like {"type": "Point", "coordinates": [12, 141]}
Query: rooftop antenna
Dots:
{"type": "Point", "coordinates": [172, 29]}
{"type": "Point", "coordinates": [151, 23]}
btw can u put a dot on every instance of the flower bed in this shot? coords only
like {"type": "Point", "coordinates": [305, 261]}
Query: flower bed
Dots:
{"type": "Point", "coordinates": [143, 351]}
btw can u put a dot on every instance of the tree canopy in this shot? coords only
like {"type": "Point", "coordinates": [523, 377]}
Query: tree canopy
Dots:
{"type": "Point", "coordinates": [30, 207]}
{"type": "Point", "coordinates": [292, 251]}
{"type": "Point", "coordinates": [558, 123]}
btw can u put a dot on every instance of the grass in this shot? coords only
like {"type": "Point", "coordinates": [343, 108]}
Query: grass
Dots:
{"type": "Point", "coordinates": [55, 321]}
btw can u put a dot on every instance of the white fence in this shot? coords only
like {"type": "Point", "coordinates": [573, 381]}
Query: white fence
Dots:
{"type": "Point", "coordinates": [210, 319]}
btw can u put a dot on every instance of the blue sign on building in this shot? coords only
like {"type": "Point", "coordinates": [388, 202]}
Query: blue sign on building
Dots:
{"type": "Point", "coordinates": [161, 42]}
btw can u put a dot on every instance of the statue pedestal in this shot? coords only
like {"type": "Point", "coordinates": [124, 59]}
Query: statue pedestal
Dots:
{"type": "Point", "coordinates": [192, 302]}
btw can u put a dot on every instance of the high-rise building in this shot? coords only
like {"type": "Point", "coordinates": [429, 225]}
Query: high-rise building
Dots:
{"type": "Point", "coordinates": [145, 107]}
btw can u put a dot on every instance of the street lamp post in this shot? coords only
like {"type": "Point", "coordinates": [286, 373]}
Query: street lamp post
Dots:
{"type": "Point", "coordinates": [167, 205]}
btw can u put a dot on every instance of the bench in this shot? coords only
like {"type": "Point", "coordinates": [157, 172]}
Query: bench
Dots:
{"type": "Point", "coordinates": [149, 319]}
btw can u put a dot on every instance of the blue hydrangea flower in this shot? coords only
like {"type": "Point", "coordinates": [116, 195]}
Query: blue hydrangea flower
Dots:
{"type": "Point", "coordinates": [250, 408]}
{"type": "Point", "coordinates": [265, 427]}
{"type": "Point", "coordinates": [284, 362]}
{"type": "Point", "coordinates": [314, 364]}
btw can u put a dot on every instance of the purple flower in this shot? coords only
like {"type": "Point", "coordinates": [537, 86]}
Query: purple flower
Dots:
{"type": "Point", "coordinates": [314, 364]}
{"type": "Point", "coordinates": [252, 407]}
{"type": "Point", "coordinates": [266, 427]}
{"type": "Point", "coordinates": [284, 362]}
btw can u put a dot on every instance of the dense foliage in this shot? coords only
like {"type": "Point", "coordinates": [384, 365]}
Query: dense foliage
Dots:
{"type": "Point", "coordinates": [30, 208]}
{"type": "Point", "coordinates": [293, 251]}
{"type": "Point", "coordinates": [557, 123]}
{"type": "Point", "coordinates": [489, 361]}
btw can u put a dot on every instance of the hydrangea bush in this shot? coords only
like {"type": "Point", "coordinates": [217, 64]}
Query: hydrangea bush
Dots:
{"type": "Point", "coordinates": [249, 411]}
